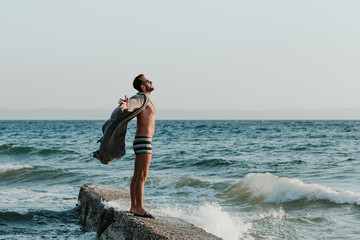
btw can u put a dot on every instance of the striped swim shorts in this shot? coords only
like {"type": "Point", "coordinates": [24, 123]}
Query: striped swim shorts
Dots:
{"type": "Point", "coordinates": [142, 145]}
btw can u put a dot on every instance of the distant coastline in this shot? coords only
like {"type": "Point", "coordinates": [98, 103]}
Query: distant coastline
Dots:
{"type": "Point", "coordinates": [183, 114]}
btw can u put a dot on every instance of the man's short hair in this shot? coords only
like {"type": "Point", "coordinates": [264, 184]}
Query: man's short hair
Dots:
{"type": "Point", "coordinates": [138, 81]}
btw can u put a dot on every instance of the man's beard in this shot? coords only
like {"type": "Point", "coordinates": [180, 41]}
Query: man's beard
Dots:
{"type": "Point", "coordinates": [149, 88]}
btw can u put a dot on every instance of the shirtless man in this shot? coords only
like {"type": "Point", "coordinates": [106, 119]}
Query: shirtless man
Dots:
{"type": "Point", "coordinates": [142, 146]}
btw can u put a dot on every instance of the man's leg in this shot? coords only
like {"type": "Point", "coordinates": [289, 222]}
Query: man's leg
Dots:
{"type": "Point", "coordinates": [132, 190]}
{"type": "Point", "coordinates": [142, 164]}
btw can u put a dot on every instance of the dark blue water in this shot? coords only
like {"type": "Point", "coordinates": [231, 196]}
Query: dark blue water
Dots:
{"type": "Point", "coordinates": [248, 179]}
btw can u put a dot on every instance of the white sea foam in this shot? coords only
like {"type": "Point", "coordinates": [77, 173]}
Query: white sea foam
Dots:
{"type": "Point", "coordinates": [213, 219]}
{"type": "Point", "coordinates": [274, 214]}
{"type": "Point", "coordinates": [11, 167]}
{"type": "Point", "coordinates": [284, 189]}
{"type": "Point", "coordinates": [88, 236]}
{"type": "Point", "coordinates": [209, 216]}
{"type": "Point", "coordinates": [51, 198]}
{"type": "Point", "coordinates": [119, 205]}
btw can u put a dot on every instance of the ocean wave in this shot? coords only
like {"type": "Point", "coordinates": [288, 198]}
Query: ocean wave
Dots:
{"type": "Point", "coordinates": [89, 236]}
{"type": "Point", "coordinates": [40, 224]}
{"type": "Point", "coordinates": [304, 147]}
{"type": "Point", "coordinates": [299, 148]}
{"type": "Point", "coordinates": [273, 214]}
{"type": "Point", "coordinates": [54, 151]}
{"type": "Point", "coordinates": [286, 163]}
{"type": "Point", "coordinates": [212, 163]}
{"type": "Point", "coordinates": [217, 220]}
{"type": "Point", "coordinates": [201, 126]}
{"type": "Point", "coordinates": [190, 182]}
{"type": "Point", "coordinates": [25, 199]}
{"type": "Point", "coordinates": [11, 167]}
{"type": "Point", "coordinates": [172, 181]}
{"type": "Point", "coordinates": [14, 174]}
{"type": "Point", "coordinates": [274, 189]}
{"type": "Point", "coordinates": [39, 215]}
{"type": "Point", "coordinates": [9, 149]}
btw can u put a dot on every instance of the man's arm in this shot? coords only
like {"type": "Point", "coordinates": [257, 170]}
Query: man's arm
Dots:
{"type": "Point", "coordinates": [131, 104]}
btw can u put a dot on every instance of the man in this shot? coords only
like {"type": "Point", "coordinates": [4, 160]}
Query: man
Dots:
{"type": "Point", "coordinates": [142, 143]}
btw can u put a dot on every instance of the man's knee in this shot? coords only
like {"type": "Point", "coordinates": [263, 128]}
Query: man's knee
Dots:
{"type": "Point", "coordinates": [142, 176]}
{"type": "Point", "coordinates": [142, 162]}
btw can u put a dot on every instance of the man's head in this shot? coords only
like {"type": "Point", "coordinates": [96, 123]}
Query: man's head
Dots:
{"type": "Point", "coordinates": [142, 84]}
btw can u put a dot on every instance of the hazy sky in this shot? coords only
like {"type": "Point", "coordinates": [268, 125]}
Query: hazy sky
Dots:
{"type": "Point", "coordinates": [245, 55]}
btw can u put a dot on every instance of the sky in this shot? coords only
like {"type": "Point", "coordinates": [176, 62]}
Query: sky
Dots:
{"type": "Point", "coordinates": [200, 54]}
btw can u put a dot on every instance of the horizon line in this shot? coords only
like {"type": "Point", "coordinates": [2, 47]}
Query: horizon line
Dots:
{"type": "Point", "coordinates": [187, 114]}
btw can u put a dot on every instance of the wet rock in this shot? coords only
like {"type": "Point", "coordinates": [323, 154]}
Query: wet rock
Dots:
{"type": "Point", "coordinates": [116, 231]}
{"type": "Point", "coordinates": [110, 223]}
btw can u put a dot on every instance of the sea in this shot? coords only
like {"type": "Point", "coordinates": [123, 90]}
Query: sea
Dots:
{"type": "Point", "coordinates": [235, 179]}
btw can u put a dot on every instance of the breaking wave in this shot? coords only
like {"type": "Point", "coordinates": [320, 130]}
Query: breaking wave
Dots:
{"type": "Point", "coordinates": [274, 189]}
{"type": "Point", "coordinates": [212, 218]}
{"type": "Point", "coordinates": [11, 167]}
{"type": "Point", "coordinates": [21, 174]}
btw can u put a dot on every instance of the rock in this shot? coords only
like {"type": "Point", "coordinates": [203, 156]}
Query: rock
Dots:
{"type": "Point", "coordinates": [97, 215]}
{"type": "Point", "coordinates": [116, 231]}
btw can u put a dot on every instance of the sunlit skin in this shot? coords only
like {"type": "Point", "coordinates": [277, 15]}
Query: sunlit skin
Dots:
{"type": "Point", "coordinates": [145, 127]}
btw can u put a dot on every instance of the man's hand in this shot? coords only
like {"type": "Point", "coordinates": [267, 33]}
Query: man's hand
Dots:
{"type": "Point", "coordinates": [124, 103]}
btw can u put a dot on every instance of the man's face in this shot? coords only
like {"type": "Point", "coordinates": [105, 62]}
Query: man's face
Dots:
{"type": "Point", "coordinates": [148, 85]}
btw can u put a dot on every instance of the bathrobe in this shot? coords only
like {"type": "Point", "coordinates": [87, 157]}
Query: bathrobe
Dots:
{"type": "Point", "coordinates": [112, 143]}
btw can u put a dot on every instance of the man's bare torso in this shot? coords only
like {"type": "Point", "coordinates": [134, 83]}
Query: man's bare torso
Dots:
{"type": "Point", "coordinates": [146, 121]}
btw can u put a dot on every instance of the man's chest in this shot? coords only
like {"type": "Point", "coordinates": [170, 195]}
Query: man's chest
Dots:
{"type": "Point", "coordinates": [148, 112]}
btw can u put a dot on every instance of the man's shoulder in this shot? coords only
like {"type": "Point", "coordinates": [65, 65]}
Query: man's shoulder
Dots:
{"type": "Point", "coordinates": [138, 95]}
{"type": "Point", "coordinates": [141, 97]}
